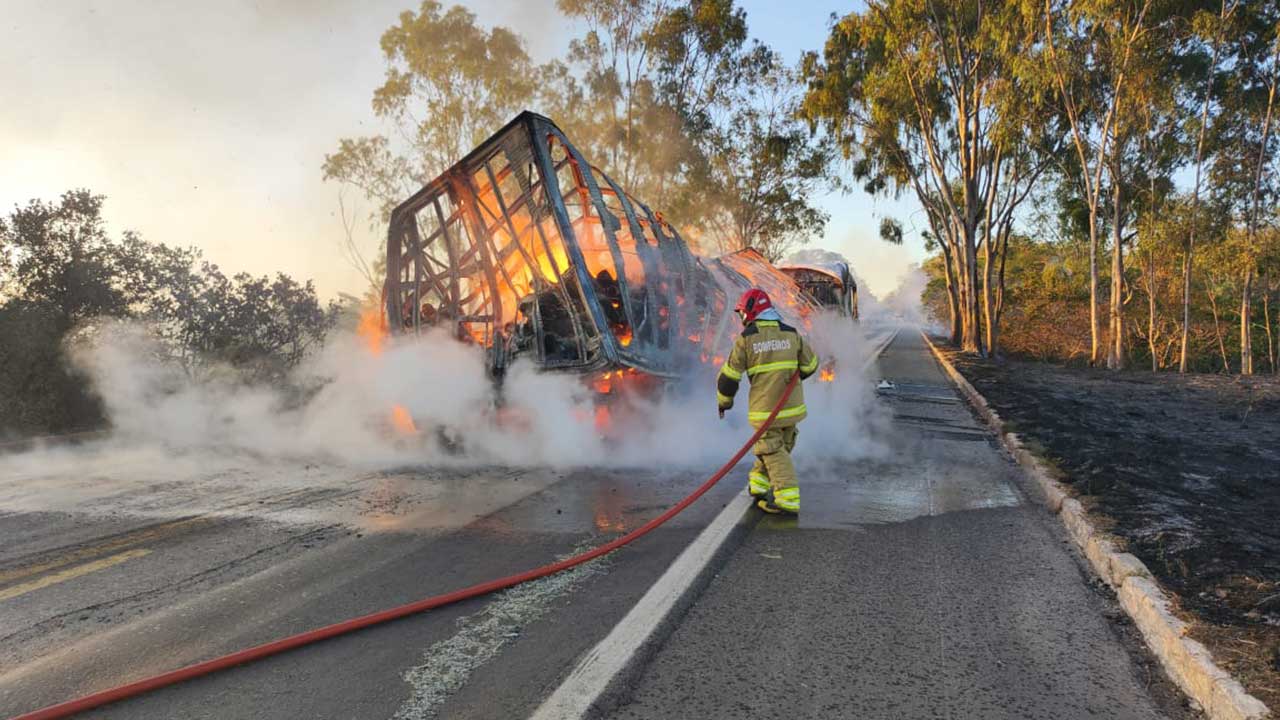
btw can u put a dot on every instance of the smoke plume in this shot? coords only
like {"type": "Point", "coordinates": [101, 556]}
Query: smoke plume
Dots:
{"type": "Point", "coordinates": [341, 404]}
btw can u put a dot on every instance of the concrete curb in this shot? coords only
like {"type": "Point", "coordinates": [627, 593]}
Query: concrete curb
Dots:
{"type": "Point", "coordinates": [1187, 661]}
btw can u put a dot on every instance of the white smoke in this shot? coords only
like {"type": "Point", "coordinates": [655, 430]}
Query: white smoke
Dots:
{"type": "Point", "coordinates": [543, 419]}
{"type": "Point", "coordinates": [844, 419]}
{"type": "Point", "coordinates": [905, 303]}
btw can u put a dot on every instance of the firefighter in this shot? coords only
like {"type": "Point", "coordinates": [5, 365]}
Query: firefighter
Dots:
{"type": "Point", "coordinates": [768, 352]}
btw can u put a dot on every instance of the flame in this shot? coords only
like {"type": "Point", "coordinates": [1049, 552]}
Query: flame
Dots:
{"type": "Point", "coordinates": [624, 338]}
{"type": "Point", "coordinates": [373, 329]}
{"type": "Point", "coordinates": [402, 421]}
{"type": "Point", "coordinates": [604, 382]}
{"type": "Point", "coordinates": [607, 522]}
{"type": "Point", "coordinates": [827, 375]}
{"type": "Point", "coordinates": [610, 513]}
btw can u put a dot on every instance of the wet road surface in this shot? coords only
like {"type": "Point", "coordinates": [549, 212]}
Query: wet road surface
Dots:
{"type": "Point", "coordinates": [922, 585]}
{"type": "Point", "coordinates": [127, 574]}
{"type": "Point", "coordinates": [917, 584]}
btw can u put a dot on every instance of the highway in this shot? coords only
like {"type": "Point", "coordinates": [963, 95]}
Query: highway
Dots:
{"type": "Point", "coordinates": [922, 583]}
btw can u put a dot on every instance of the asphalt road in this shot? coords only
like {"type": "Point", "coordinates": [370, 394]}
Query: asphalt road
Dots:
{"type": "Point", "coordinates": [132, 574]}
{"type": "Point", "coordinates": [919, 584]}
{"type": "Point", "coordinates": [925, 585]}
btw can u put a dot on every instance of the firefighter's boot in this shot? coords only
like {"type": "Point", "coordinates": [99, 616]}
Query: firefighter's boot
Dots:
{"type": "Point", "coordinates": [773, 451]}
{"type": "Point", "coordinates": [758, 481]}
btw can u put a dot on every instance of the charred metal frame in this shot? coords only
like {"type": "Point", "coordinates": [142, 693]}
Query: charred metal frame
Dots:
{"type": "Point", "coordinates": [836, 280]}
{"type": "Point", "coordinates": [526, 249]}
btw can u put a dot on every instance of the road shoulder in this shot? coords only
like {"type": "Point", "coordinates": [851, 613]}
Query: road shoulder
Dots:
{"type": "Point", "coordinates": [1186, 660]}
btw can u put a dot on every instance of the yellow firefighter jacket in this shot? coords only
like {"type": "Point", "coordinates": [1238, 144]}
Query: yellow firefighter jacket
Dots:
{"type": "Point", "coordinates": [768, 353]}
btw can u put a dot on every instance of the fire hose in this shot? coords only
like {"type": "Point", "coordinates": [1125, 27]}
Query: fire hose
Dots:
{"type": "Point", "coordinates": [258, 652]}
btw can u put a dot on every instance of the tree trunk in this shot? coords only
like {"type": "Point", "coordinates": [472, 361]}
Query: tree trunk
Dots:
{"type": "Point", "coordinates": [1095, 323]}
{"type": "Point", "coordinates": [1150, 284]}
{"type": "Point", "coordinates": [1246, 327]}
{"type": "Point", "coordinates": [1271, 342]}
{"type": "Point", "coordinates": [953, 292]}
{"type": "Point", "coordinates": [1195, 195]}
{"type": "Point", "coordinates": [973, 331]}
{"type": "Point", "coordinates": [962, 296]}
{"type": "Point", "coordinates": [1246, 335]}
{"type": "Point", "coordinates": [988, 296]}
{"type": "Point", "coordinates": [967, 272]}
{"type": "Point", "coordinates": [1115, 352]}
{"type": "Point", "coordinates": [1186, 304]}
{"type": "Point", "coordinates": [1004, 256]}
{"type": "Point", "coordinates": [954, 303]}
{"type": "Point", "coordinates": [993, 329]}
{"type": "Point", "coordinates": [1217, 329]}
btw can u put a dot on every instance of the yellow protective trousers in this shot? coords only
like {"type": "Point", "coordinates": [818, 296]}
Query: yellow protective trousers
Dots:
{"type": "Point", "coordinates": [773, 470]}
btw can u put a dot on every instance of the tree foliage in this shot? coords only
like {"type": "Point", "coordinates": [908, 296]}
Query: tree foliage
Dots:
{"type": "Point", "coordinates": [62, 272]}
{"type": "Point", "coordinates": [766, 170]}
{"type": "Point", "coordinates": [936, 99]}
{"type": "Point", "coordinates": [672, 99]}
{"type": "Point", "coordinates": [449, 83]}
{"type": "Point", "coordinates": [1039, 137]}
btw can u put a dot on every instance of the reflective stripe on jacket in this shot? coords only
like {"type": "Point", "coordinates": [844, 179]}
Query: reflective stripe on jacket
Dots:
{"type": "Point", "coordinates": [767, 353]}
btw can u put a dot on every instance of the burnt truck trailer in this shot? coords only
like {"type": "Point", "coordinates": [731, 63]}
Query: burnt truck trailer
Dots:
{"type": "Point", "coordinates": [529, 251]}
{"type": "Point", "coordinates": [828, 285]}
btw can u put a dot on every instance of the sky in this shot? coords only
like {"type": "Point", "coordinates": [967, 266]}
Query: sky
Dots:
{"type": "Point", "coordinates": [206, 124]}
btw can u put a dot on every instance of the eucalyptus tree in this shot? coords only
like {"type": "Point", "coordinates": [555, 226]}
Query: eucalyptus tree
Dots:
{"type": "Point", "coordinates": [1107, 59]}
{"type": "Point", "coordinates": [1244, 169]}
{"type": "Point", "coordinates": [449, 83]}
{"type": "Point", "coordinates": [1160, 217]}
{"type": "Point", "coordinates": [651, 79]}
{"type": "Point", "coordinates": [1210, 32]}
{"type": "Point", "coordinates": [765, 169]}
{"type": "Point", "coordinates": [928, 97]}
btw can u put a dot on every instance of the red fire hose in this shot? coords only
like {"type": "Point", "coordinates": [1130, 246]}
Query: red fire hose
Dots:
{"type": "Point", "coordinates": [133, 689]}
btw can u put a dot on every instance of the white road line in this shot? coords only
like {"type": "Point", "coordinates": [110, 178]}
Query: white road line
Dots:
{"type": "Point", "coordinates": [875, 354]}
{"type": "Point", "coordinates": [598, 673]}
{"type": "Point", "coordinates": [592, 678]}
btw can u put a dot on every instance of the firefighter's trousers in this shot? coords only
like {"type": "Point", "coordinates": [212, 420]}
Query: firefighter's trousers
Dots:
{"type": "Point", "coordinates": [773, 470]}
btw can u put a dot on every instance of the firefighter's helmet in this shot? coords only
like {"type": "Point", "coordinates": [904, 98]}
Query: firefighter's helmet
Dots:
{"type": "Point", "coordinates": [751, 304]}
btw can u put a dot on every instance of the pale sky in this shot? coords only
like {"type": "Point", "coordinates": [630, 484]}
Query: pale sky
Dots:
{"type": "Point", "coordinates": [206, 123]}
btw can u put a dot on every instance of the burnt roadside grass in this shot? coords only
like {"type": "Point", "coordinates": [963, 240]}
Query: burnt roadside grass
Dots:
{"type": "Point", "coordinates": [1184, 471]}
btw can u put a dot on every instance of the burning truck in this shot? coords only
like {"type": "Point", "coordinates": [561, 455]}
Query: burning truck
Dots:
{"type": "Point", "coordinates": [828, 284]}
{"type": "Point", "coordinates": [527, 250]}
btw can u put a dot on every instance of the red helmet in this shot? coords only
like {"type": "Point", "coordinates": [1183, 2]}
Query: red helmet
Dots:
{"type": "Point", "coordinates": [751, 304]}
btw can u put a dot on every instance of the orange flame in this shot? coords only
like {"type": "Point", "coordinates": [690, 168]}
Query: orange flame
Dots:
{"type": "Point", "coordinates": [402, 421]}
{"type": "Point", "coordinates": [827, 375]}
{"type": "Point", "coordinates": [373, 329]}
{"type": "Point", "coordinates": [609, 515]}
{"type": "Point", "coordinates": [604, 382]}
{"type": "Point", "coordinates": [609, 522]}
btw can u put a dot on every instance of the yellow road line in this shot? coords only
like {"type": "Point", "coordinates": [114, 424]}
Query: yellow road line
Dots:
{"type": "Point", "coordinates": [75, 556]}
{"type": "Point", "coordinates": [70, 573]}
